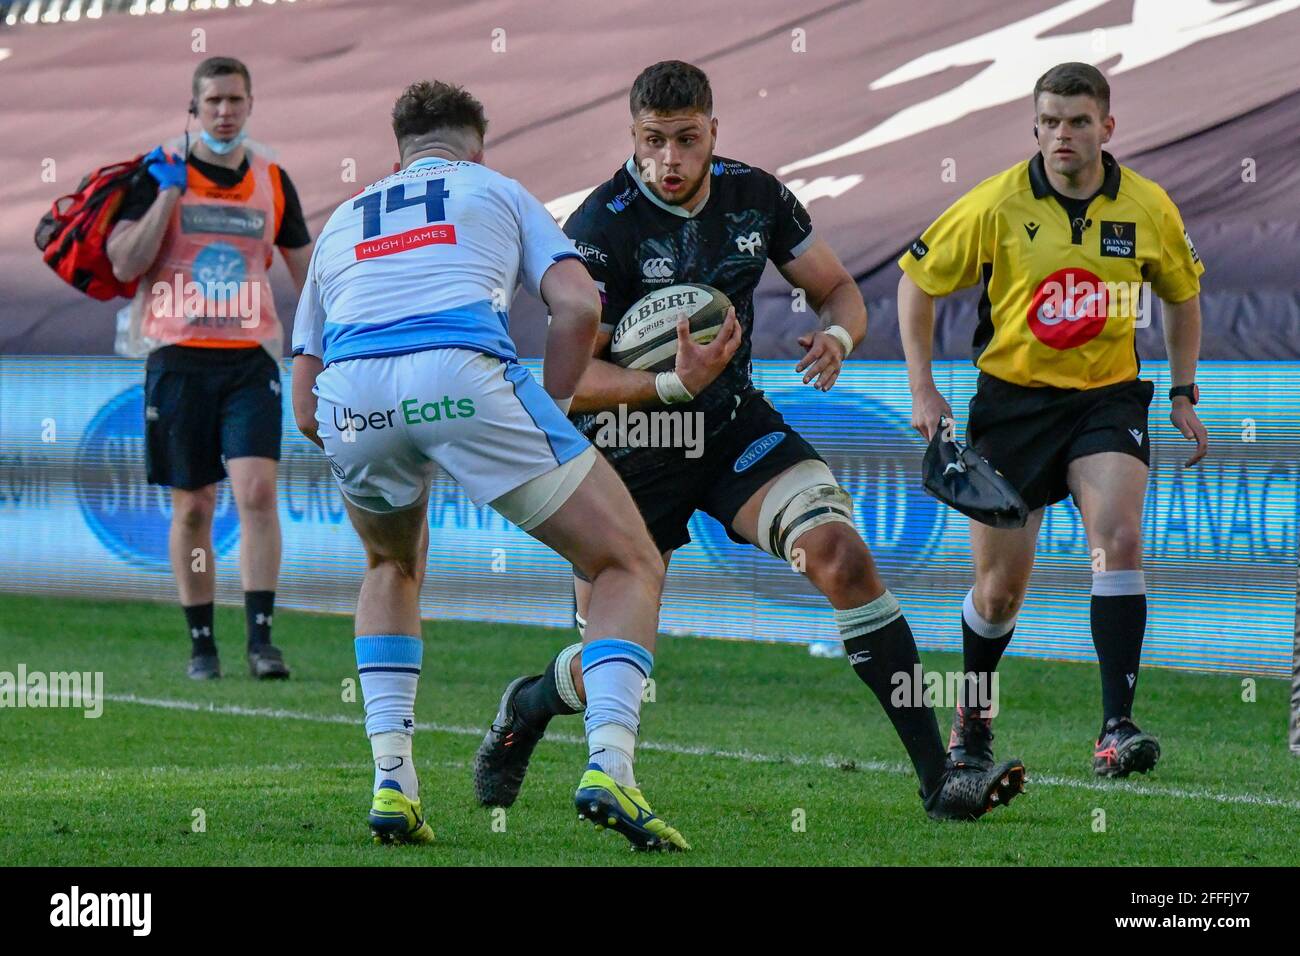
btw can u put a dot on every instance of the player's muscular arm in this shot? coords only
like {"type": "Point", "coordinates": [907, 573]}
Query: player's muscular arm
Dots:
{"type": "Point", "coordinates": [571, 296]}
{"type": "Point", "coordinates": [916, 326]}
{"type": "Point", "coordinates": [297, 261]}
{"type": "Point", "coordinates": [133, 246]}
{"type": "Point", "coordinates": [1183, 342]}
{"type": "Point", "coordinates": [837, 300]}
{"type": "Point", "coordinates": [305, 369]}
{"type": "Point", "coordinates": [606, 385]}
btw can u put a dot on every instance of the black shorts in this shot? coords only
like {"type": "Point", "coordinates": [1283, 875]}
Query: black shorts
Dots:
{"type": "Point", "coordinates": [750, 450]}
{"type": "Point", "coordinates": [205, 406]}
{"type": "Point", "coordinates": [1032, 434]}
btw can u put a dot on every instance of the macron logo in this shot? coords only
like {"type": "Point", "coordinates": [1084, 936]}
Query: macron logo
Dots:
{"type": "Point", "coordinates": [1137, 434]}
{"type": "Point", "coordinates": [103, 909]}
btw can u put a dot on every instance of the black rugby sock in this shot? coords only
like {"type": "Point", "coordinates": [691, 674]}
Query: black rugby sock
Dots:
{"type": "Point", "coordinates": [198, 618]}
{"type": "Point", "coordinates": [981, 654]}
{"type": "Point", "coordinates": [1118, 624]}
{"type": "Point", "coordinates": [879, 651]}
{"type": "Point", "coordinates": [1119, 618]}
{"type": "Point", "coordinates": [538, 701]}
{"type": "Point", "coordinates": [258, 607]}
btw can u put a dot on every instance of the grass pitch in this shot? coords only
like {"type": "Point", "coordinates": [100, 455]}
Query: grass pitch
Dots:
{"type": "Point", "coordinates": [759, 754]}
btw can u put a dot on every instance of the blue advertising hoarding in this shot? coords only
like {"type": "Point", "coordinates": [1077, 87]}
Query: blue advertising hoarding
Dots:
{"type": "Point", "coordinates": [77, 518]}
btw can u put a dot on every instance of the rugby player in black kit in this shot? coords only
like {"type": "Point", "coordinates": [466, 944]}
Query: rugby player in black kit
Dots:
{"type": "Point", "coordinates": [676, 213]}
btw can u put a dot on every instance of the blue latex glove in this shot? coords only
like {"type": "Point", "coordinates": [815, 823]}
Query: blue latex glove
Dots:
{"type": "Point", "coordinates": [167, 170]}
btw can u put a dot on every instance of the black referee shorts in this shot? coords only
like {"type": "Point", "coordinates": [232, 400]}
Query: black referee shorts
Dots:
{"type": "Point", "coordinates": [205, 406]}
{"type": "Point", "coordinates": [1032, 434]}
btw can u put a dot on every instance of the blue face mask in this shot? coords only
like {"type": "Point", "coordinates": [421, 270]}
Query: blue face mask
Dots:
{"type": "Point", "coordinates": [222, 146]}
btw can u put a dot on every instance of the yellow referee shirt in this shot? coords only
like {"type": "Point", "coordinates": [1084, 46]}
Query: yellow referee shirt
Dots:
{"type": "Point", "coordinates": [1063, 291]}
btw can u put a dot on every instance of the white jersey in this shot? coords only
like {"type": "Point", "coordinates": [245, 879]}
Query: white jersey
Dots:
{"type": "Point", "coordinates": [427, 258]}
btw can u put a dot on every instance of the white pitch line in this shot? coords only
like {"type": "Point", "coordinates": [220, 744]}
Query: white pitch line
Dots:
{"type": "Point", "coordinates": [831, 761]}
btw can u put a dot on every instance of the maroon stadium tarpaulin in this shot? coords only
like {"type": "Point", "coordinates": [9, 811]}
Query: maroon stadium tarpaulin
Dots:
{"type": "Point", "coordinates": [878, 114]}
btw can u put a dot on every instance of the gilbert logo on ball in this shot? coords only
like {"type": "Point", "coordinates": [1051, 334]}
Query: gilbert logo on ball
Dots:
{"type": "Point", "coordinates": [646, 337]}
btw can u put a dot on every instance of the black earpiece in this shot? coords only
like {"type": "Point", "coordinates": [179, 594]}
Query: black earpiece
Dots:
{"type": "Point", "coordinates": [194, 108]}
{"type": "Point", "coordinates": [1035, 132]}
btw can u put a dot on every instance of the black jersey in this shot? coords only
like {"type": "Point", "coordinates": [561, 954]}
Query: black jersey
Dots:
{"type": "Point", "coordinates": [633, 243]}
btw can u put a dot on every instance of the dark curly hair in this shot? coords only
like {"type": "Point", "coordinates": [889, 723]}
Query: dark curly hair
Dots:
{"type": "Point", "coordinates": [670, 86]}
{"type": "Point", "coordinates": [425, 107]}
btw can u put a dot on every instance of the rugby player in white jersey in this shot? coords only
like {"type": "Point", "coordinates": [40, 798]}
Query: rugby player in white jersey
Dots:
{"type": "Point", "coordinates": [402, 360]}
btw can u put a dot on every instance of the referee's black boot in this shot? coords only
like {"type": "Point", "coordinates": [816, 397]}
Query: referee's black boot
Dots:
{"type": "Point", "coordinates": [1122, 748]}
{"type": "Point", "coordinates": [265, 662]}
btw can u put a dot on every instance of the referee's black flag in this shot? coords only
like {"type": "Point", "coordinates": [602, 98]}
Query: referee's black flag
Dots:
{"type": "Point", "coordinates": [961, 479]}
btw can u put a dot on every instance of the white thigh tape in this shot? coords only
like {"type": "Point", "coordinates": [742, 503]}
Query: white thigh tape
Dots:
{"type": "Point", "coordinates": [805, 497]}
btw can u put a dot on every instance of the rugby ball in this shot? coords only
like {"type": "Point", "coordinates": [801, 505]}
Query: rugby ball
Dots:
{"type": "Point", "coordinates": [646, 337]}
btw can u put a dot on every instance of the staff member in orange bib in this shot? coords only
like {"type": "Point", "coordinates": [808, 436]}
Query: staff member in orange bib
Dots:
{"type": "Point", "coordinates": [199, 232]}
{"type": "Point", "coordinates": [1064, 245]}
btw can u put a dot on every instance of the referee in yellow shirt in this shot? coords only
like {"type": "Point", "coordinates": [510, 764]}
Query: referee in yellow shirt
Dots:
{"type": "Point", "coordinates": [1065, 245]}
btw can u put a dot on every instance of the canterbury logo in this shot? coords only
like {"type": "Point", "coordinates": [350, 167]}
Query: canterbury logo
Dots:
{"type": "Point", "coordinates": [859, 657]}
{"type": "Point", "coordinates": [749, 243]}
{"type": "Point", "coordinates": [657, 268]}
{"type": "Point", "coordinates": [957, 466]}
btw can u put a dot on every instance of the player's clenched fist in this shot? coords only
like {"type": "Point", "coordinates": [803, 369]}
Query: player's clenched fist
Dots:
{"type": "Point", "coordinates": [699, 365]}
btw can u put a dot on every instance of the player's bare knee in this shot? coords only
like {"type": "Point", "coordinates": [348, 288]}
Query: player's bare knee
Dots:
{"type": "Point", "coordinates": [998, 601]}
{"type": "Point", "coordinates": [1120, 549]}
{"type": "Point", "coordinates": [256, 496]}
{"type": "Point", "coordinates": [193, 510]}
{"type": "Point", "coordinates": [838, 562]}
{"type": "Point", "coordinates": [647, 564]}
{"type": "Point", "coordinates": [634, 554]}
{"type": "Point", "coordinates": [406, 566]}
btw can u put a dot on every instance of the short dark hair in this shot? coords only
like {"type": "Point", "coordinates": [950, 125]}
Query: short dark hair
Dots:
{"type": "Point", "coordinates": [1075, 79]}
{"type": "Point", "coordinates": [427, 106]}
{"type": "Point", "coordinates": [220, 66]}
{"type": "Point", "coordinates": [671, 86]}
